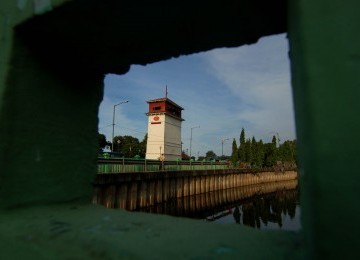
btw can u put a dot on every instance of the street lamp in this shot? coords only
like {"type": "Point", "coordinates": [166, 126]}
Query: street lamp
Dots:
{"type": "Point", "coordinates": [113, 124]}
{"type": "Point", "coordinates": [191, 137]}
{"type": "Point", "coordinates": [222, 146]}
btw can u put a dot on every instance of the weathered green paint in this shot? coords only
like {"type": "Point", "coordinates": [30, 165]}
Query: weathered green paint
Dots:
{"type": "Point", "coordinates": [51, 71]}
{"type": "Point", "coordinates": [91, 232]}
{"type": "Point", "coordinates": [13, 13]}
{"type": "Point", "coordinates": [325, 56]}
{"type": "Point", "coordinates": [44, 117]}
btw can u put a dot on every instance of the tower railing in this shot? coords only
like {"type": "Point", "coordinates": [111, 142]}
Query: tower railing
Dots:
{"type": "Point", "coordinates": [119, 165]}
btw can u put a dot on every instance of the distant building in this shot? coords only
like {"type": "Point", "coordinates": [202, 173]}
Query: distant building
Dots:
{"type": "Point", "coordinates": [164, 129]}
{"type": "Point", "coordinates": [107, 148]}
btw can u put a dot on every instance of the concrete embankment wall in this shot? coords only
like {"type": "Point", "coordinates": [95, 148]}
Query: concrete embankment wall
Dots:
{"type": "Point", "coordinates": [149, 188]}
{"type": "Point", "coordinates": [113, 196]}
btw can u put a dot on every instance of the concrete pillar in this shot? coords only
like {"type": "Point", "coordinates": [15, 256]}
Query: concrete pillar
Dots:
{"type": "Point", "coordinates": [132, 196]}
{"type": "Point", "coordinates": [159, 191]}
{"type": "Point", "coordinates": [203, 184]}
{"type": "Point", "coordinates": [221, 182]}
{"type": "Point", "coordinates": [211, 183]}
{"type": "Point", "coordinates": [207, 199]}
{"type": "Point", "coordinates": [191, 186]}
{"type": "Point", "coordinates": [151, 193]}
{"type": "Point", "coordinates": [172, 188]}
{"type": "Point", "coordinates": [179, 187]}
{"type": "Point", "coordinates": [141, 194]}
{"type": "Point", "coordinates": [109, 196]}
{"type": "Point", "coordinates": [203, 200]}
{"type": "Point", "coordinates": [198, 202]}
{"type": "Point", "coordinates": [186, 204]}
{"type": "Point", "coordinates": [192, 204]}
{"type": "Point", "coordinates": [197, 185]}
{"type": "Point", "coordinates": [216, 182]}
{"type": "Point", "coordinates": [121, 195]}
{"type": "Point", "coordinates": [166, 189]}
{"type": "Point", "coordinates": [212, 199]}
{"type": "Point", "coordinates": [186, 188]}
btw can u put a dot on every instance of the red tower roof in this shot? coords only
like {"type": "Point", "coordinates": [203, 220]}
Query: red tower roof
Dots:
{"type": "Point", "coordinates": [166, 106]}
{"type": "Point", "coordinates": [165, 100]}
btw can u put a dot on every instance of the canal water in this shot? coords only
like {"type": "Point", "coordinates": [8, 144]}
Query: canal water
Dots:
{"type": "Point", "coordinates": [266, 206]}
{"type": "Point", "coordinates": [279, 210]}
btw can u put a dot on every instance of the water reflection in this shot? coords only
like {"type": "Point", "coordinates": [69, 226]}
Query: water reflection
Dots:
{"type": "Point", "coordinates": [277, 210]}
{"type": "Point", "coordinates": [267, 206]}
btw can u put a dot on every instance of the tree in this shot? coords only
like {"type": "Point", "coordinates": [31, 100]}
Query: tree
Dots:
{"type": "Point", "coordinates": [294, 151]}
{"type": "Point", "coordinates": [235, 153]}
{"type": "Point", "coordinates": [260, 154]}
{"type": "Point", "coordinates": [142, 146]}
{"type": "Point", "coordinates": [185, 156]}
{"type": "Point", "coordinates": [275, 149]}
{"type": "Point", "coordinates": [210, 155]}
{"type": "Point", "coordinates": [254, 152]}
{"type": "Point", "coordinates": [270, 153]}
{"type": "Point", "coordinates": [242, 156]}
{"type": "Point", "coordinates": [102, 140]}
{"type": "Point", "coordinates": [248, 152]}
{"type": "Point", "coordinates": [224, 157]}
{"type": "Point", "coordinates": [201, 158]}
{"type": "Point", "coordinates": [287, 151]}
{"type": "Point", "coordinates": [127, 145]}
{"type": "Point", "coordinates": [274, 142]}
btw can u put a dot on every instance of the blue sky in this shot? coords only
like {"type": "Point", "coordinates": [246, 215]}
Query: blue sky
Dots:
{"type": "Point", "coordinates": [222, 90]}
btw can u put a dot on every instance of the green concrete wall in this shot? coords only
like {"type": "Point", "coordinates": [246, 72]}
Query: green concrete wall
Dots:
{"type": "Point", "coordinates": [325, 59]}
{"type": "Point", "coordinates": [43, 156]}
{"type": "Point", "coordinates": [51, 71]}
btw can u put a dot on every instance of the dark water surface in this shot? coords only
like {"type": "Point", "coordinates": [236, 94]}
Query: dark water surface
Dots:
{"type": "Point", "coordinates": [278, 210]}
{"type": "Point", "coordinates": [266, 206]}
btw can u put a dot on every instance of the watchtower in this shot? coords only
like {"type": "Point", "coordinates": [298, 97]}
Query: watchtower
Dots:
{"type": "Point", "coordinates": [164, 129]}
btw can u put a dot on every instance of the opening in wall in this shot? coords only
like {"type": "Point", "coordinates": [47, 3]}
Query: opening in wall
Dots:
{"type": "Point", "coordinates": [234, 100]}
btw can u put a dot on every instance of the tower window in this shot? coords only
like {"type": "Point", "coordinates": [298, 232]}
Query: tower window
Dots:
{"type": "Point", "coordinates": [157, 108]}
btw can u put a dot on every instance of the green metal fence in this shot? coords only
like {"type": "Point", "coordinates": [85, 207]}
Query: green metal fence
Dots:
{"type": "Point", "coordinates": [117, 165]}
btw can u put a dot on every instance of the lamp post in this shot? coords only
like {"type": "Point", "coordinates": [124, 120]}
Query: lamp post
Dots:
{"type": "Point", "coordinates": [113, 124]}
{"type": "Point", "coordinates": [191, 137]}
{"type": "Point", "coordinates": [222, 146]}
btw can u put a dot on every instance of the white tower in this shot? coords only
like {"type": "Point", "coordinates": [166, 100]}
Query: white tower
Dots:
{"type": "Point", "coordinates": [164, 129]}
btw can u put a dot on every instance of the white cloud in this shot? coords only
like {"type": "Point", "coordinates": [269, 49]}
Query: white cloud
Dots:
{"type": "Point", "coordinates": [258, 75]}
